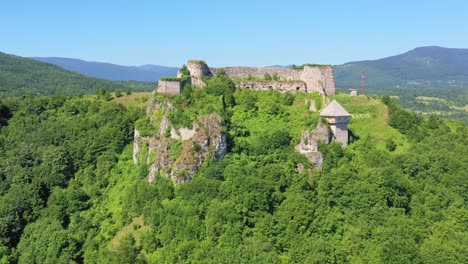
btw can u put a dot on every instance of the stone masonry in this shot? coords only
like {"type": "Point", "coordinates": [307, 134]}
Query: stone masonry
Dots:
{"type": "Point", "coordinates": [281, 86]}
{"type": "Point", "coordinates": [170, 87]}
{"type": "Point", "coordinates": [316, 78]}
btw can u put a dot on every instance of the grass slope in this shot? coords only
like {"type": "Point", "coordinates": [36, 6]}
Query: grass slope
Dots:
{"type": "Point", "coordinates": [369, 119]}
{"type": "Point", "coordinates": [135, 99]}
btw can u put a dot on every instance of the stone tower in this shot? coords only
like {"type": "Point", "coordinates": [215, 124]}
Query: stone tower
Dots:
{"type": "Point", "coordinates": [338, 118]}
{"type": "Point", "coordinates": [198, 69]}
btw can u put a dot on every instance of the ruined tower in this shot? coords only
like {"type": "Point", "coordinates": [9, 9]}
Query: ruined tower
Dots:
{"type": "Point", "coordinates": [338, 118]}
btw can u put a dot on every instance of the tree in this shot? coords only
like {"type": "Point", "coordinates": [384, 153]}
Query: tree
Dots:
{"type": "Point", "coordinates": [118, 93]}
{"type": "Point", "coordinates": [390, 145]}
{"type": "Point", "coordinates": [128, 251]}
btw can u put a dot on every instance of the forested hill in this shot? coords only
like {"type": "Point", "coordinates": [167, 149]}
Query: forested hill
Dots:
{"type": "Point", "coordinates": [144, 73]}
{"type": "Point", "coordinates": [424, 67]}
{"type": "Point", "coordinates": [19, 76]}
{"type": "Point", "coordinates": [71, 192]}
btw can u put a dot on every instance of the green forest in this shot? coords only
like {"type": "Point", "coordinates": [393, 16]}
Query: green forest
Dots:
{"type": "Point", "coordinates": [71, 193]}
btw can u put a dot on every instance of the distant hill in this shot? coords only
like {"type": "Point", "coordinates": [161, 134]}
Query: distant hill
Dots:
{"type": "Point", "coordinates": [424, 67]}
{"type": "Point", "coordinates": [144, 73]}
{"type": "Point", "coordinates": [19, 76]}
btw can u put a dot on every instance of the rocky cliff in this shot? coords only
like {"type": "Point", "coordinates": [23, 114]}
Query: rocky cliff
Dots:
{"type": "Point", "coordinates": [179, 153]}
{"type": "Point", "coordinates": [310, 141]}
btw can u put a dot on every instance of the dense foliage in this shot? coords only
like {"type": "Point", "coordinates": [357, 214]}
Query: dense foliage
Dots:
{"type": "Point", "coordinates": [54, 154]}
{"type": "Point", "coordinates": [71, 193]}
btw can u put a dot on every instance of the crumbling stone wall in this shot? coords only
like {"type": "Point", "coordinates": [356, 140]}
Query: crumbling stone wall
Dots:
{"type": "Point", "coordinates": [170, 87]}
{"type": "Point", "coordinates": [316, 78]}
{"type": "Point", "coordinates": [328, 79]}
{"type": "Point", "coordinates": [243, 72]}
{"type": "Point", "coordinates": [281, 86]}
{"type": "Point", "coordinates": [309, 79]}
{"type": "Point", "coordinates": [312, 76]}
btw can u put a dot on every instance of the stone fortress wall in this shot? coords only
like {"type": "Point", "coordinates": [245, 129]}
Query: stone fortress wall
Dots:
{"type": "Point", "coordinates": [289, 86]}
{"type": "Point", "coordinates": [309, 79]}
{"type": "Point", "coordinates": [169, 87]}
{"type": "Point", "coordinates": [316, 78]}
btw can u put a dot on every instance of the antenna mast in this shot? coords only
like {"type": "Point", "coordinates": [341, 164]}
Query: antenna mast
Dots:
{"type": "Point", "coordinates": [363, 77]}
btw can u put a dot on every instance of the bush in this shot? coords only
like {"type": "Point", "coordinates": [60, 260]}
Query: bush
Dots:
{"type": "Point", "coordinates": [390, 145]}
{"type": "Point", "coordinates": [118, 93]}
{"type": "Point", "coordinates": [184, 71]}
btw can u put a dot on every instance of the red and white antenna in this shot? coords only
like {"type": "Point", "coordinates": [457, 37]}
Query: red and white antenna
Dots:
{"type": "Point", "coordinates": [363, 77]}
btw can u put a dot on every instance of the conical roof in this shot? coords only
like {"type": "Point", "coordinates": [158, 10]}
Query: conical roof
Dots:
{"type": "Point", "coordinates": [334, 109]}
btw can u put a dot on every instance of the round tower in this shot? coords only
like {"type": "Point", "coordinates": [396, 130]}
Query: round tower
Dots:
{"type": "Point", "coordinates": [198, 68]}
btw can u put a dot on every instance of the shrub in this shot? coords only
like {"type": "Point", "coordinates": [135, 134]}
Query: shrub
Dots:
{"type": "Point", "coordinates": [118, 93]}
{"type": "Point", "coordinates": [390, 145]}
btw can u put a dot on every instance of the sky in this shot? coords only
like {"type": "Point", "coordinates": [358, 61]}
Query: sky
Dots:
{"type": "Point", "coordinates": [229, 32]}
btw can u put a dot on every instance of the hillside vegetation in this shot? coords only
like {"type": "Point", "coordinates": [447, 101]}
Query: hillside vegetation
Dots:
{"type": "Point", "coordinates": [20, 76]}
{"type": "Point", "coordinates": [70, 192]}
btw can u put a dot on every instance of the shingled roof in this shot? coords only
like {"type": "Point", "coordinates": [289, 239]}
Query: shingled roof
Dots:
{"type": "Point", "coordinates": [334, 109]}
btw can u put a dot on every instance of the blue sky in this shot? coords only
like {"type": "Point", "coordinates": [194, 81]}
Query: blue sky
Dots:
{"type": "Point", "coordinates": [223, 33]}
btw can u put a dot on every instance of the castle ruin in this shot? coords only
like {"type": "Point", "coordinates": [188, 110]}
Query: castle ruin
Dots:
{"type": "Point", "coordinates": [307, 78]}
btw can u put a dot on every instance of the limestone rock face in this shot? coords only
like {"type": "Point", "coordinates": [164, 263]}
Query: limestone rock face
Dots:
{"type": "Point", "coordinates": [309, 144]}
{"type": "Point", "coordinates": [204, 141]}
{"type": "Point", "coordinates": [208, 142]}
{"type": "Point", "coordinates": [136, 145]}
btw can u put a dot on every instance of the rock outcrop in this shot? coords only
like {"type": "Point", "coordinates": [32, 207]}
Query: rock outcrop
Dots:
{"type": "Point", "coordinates": [207, 143]}
{"type": "Point", "coordinates": [180, 153]}
{"type": "Point", "coordinates": [310, 141]}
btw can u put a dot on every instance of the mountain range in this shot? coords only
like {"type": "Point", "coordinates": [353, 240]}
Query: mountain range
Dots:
{"type": "Point", "coordinates": [144, 73]}
{"type": "Point", "coordinates": [423, 67]}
